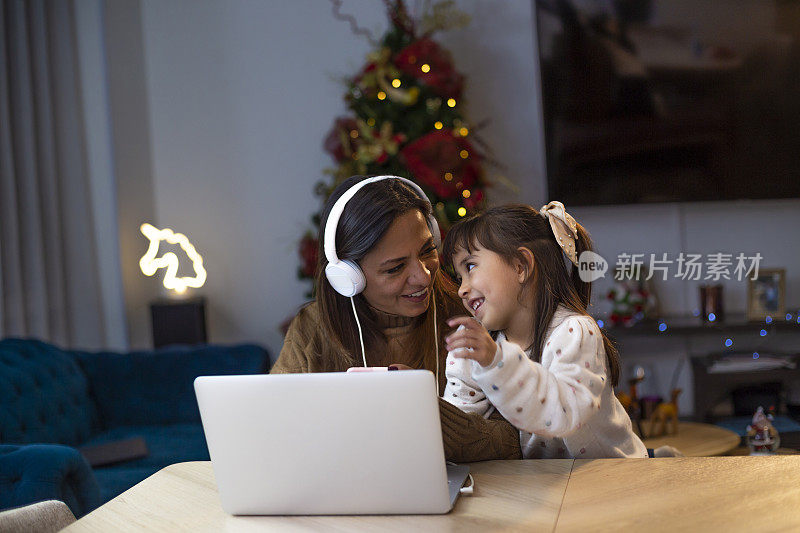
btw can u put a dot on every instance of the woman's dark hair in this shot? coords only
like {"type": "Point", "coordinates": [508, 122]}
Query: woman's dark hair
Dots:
{"type": "Point", "coordinates": [505, 229]}
{"type": "Point", "coordinates": [365, 220]}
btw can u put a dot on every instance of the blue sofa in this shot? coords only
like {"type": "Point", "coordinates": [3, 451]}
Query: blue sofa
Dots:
{"type": "Point", "coordinates": [53, 401]}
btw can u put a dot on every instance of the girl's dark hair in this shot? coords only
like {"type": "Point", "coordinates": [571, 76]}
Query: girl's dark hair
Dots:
{"type": "Point", "coordinates": [365, 220]}
{"type": "Point", "coordinates": [503, 230]}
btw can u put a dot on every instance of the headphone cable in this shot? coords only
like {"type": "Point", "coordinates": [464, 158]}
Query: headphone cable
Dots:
{"type": "Point", "coordinates": [435, 337]}
{"type": "Point", "coordinates": [360, 336]}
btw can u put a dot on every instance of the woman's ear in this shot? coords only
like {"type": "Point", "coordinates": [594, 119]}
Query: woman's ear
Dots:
{"type": "Point", "coordinates": [525, 264]}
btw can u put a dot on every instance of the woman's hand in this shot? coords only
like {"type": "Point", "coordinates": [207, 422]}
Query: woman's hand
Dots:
{"type": "Point", "coordinates": [473, 336]}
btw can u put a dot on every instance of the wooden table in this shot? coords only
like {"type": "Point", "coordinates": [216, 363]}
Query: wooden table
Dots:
{"type": "Point", "coordinates": [670, 494]}
{"type": "Point", "coordinates": [698, 440]}
{"type": "Point", "coordinates": [183, 497]}
{"type": "Point", "coordinates": [683, 494]}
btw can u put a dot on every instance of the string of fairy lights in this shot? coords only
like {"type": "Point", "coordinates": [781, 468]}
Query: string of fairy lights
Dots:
{"type": "Point", "coordinates": [767, 329]}
{"type": "Point", "coordinates": [459, 130]}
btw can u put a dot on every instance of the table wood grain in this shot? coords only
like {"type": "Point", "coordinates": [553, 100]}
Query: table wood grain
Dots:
{"type": "Point", "coordinates": [509, 495]}
{"type": "Point", "coordinates": [683, 494]}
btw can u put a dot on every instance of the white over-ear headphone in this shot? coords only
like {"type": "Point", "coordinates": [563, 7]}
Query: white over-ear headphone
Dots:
{"type": "Point", "coordinates": [346, 277]}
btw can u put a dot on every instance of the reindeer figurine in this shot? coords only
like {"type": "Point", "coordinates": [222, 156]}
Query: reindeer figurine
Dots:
{"type": "Point", "coordinates": [665, 412]}
{"type": "Point", "coordinates": [631, 401]}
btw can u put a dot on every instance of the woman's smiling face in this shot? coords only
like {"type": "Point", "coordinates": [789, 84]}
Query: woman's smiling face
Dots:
{"type": "Point", "coordinates": [400, 268]}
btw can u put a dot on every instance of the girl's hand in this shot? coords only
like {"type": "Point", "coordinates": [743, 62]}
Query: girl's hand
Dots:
{"type": "Point", "coordinates": [474, 336]}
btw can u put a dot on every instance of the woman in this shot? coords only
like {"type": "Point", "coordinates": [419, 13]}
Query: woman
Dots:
{"type": "Point", "coordinates": [385, 231]}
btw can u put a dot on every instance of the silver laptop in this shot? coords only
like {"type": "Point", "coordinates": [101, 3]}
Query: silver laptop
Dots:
{"type": "Point", "coordinates": [330, 443]}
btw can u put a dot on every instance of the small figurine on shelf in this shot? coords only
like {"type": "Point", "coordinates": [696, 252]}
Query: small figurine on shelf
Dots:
{"type": "Point", "coordinates": [762, 437]}
{"type": "Point", "coordinates": [631, 299]}
{"type": "Point", "coordinates": [665, 412]}
{"type": "Point", "coordinates": [631, 401]}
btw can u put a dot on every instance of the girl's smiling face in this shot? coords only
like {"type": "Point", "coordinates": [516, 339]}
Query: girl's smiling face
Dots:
{"type": "Point", "coordinates": [400, 268]}
{"type": "Point", "coordinates": [491, 289]}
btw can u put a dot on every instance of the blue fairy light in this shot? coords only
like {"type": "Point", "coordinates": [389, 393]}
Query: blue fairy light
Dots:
{"type": "Point", "coordinates": [728, 342]}
{"type": "Point", "coordinates": [696, 312]}
{"type": "Point", "coordinates": [600, 323]}
{"type": "Point", "coordinates": [768, 320]}
{"type": "Point", "coordinates": [788, 316]}
{"type": "Point", "coordinates": [755, 355]}
{"type": "Point", "coordinates": [662, 327]}
{"type": "Point", "coordinates": [763, 333]}
{"type": "Point", "coordinates": [712, 317]}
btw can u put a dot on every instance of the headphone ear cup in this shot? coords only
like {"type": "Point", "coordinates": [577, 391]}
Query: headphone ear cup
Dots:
{"type": "Point", "coordinates": [345, 277]}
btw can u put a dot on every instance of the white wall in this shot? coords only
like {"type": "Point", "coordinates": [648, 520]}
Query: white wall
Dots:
{"type": "Point", "coordinates": [240, 95]}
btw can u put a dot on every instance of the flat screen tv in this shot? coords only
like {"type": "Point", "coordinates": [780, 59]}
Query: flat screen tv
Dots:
{"type": "Point", "coordinates": [650, 101]}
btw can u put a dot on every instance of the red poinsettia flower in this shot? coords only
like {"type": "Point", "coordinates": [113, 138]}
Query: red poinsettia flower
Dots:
{"type": "Point", "coordinates": [308, 255]}
{"type": "Point", "coordinates": [441, 76]}
{"type": "Point", "coordinates": [339, 143]}
{"type": "Point", "coordinates": [437, 156]}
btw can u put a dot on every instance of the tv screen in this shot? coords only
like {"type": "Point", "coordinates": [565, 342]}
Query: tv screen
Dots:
{"type": "Point", "coordinates": [670, 100]}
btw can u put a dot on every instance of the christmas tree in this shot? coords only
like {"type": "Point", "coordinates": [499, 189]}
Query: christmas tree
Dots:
{"type": "Point", "coordinates": [407, 119]}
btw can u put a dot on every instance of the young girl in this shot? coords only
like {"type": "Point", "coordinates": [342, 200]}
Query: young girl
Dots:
{"type": "Point", "coordinates": [546, 367]}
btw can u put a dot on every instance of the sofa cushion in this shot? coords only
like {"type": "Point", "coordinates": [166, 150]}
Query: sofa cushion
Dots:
{"type": "Point", "coordinates": [157, 387]}
{"type": "Point", "coordinates": [115, 481]}
{"type": "Point", "coordinates": [43, 395]}
{"type": "Point", "coordinates": [38, 472]}
{"type": "Point", "coordinates": [166, 445]}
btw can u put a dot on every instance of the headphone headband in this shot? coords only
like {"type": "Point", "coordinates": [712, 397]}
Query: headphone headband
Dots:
{"type": "Point", "coordinates": [353, 272]}
{"type": "Point", "coordinates": [332, 222]}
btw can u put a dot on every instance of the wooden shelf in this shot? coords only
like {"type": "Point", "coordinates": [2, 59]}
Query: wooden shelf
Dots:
{"type": "Point", "coordinates": [691, 325]}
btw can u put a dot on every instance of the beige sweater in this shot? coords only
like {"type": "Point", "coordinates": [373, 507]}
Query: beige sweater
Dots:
{"type": "Point", "coordinates": [467, 437]}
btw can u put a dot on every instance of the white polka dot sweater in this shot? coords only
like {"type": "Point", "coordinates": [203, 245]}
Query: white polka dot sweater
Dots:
{"type": "Point", "coordinates": [563, 406]}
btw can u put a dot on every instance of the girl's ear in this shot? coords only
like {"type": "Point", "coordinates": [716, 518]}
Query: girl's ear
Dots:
{"type": "Point", "coordinates": [525, 264]}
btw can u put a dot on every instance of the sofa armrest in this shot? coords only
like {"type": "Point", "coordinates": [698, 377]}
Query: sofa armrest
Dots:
{"type": "Point", "coordinates": [49, 516]}
{"type": "Point", "coordinates": [156, 387]}
{"type": "Point", "coordinates": [37, 472]}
